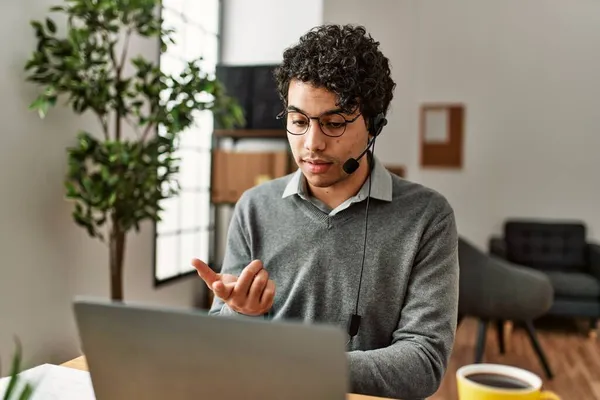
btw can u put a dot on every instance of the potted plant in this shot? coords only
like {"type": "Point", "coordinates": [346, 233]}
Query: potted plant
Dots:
{"type": "Point", "coordinates": [117, 180]}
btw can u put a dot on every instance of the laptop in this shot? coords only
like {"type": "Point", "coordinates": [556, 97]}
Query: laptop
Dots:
{"type": "Point", "coordinates": [157, 353]}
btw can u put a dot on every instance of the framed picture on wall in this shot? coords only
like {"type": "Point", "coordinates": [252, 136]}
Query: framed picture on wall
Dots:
{"type": "Point", "coordinates": [441, 134]}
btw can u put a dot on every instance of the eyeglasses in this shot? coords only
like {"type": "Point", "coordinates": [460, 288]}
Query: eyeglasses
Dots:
{"type": "Point", "coordinates": [331, 124]}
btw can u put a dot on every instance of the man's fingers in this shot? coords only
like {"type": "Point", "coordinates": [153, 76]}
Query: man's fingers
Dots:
{"type": "Point", "coordinates": [228, 278]}
{"type": "Point", "coordinates": [268, 294]}
{"type": "Point", "coordinates": [208, 275]}
{"type": "Point", "coordinates": [258, 286]}
{"type": "Point", "coordinates": [235, 291]}
{"type": "Point", "coordinates": [246, 277]}
{"type": "Point", "coordinates": [223, 290]}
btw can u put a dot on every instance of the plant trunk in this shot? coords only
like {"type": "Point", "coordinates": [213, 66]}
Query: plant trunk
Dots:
{"type": "Point", "coordinates": [117, 253]}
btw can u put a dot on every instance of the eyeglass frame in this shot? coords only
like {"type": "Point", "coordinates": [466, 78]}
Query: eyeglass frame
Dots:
{"type": "Point", "coordinates": [283, 113]}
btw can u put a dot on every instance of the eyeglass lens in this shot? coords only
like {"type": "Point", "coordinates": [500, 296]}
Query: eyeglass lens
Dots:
{"type": "Point", "coordinates": [331, 124]}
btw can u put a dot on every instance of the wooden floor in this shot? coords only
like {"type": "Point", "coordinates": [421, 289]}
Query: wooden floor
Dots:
{"type": "Point", "coordinates": [573, 356]}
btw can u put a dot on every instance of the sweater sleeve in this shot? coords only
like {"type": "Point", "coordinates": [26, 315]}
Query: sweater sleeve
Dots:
{"type": "Point", "coordinates": [413, 365]}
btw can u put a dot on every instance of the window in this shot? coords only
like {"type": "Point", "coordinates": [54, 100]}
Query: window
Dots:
{"type": "Point", "coordinates": [187, 230]}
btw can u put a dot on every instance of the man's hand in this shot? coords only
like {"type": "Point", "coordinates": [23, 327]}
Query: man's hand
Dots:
{"type": "Point", "coordinates": [251, 293]}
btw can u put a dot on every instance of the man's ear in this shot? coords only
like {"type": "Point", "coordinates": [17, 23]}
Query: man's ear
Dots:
{"type": "Point", "coordinates": [376, 124]}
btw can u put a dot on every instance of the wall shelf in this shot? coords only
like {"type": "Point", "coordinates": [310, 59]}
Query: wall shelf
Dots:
{"type": "Point", "coordinates": [251, 133]}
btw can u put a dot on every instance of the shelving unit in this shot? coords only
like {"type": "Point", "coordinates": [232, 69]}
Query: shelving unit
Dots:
{"type": "Point", "coordinates": [251, 133]}
{"type": "Point", "coordinates": [233, 171]}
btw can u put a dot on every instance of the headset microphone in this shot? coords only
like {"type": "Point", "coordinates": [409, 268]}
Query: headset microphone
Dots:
{"type": "Point", "coordinates": [352, 164]}
{"type": "Point", "coordinates": [375, 127]}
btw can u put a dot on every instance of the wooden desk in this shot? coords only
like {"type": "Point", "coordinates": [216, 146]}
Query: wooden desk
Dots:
{"type": "Point", "coordinates": [81, 364]}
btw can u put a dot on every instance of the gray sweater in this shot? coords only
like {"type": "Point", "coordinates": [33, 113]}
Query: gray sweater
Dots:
{"type": "Point", "coordinates": [409, 293]}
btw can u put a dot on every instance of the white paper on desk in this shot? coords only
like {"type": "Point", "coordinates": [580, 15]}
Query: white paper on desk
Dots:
{"type": "Point", "coordinates": [53, 382]}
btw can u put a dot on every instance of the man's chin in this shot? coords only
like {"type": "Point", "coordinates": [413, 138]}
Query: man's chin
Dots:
{"type": "Point", "coordinates": [320, 181]}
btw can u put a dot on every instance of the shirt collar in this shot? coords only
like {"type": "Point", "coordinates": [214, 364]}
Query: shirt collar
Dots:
{"type": "Point", "coordinates": [381, 187]}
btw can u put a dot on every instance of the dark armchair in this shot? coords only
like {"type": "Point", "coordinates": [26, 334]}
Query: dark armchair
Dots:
{"type": "Point", "coordinates": [491, 289]}
{"type": "Point", "coordinates": [562, 252]}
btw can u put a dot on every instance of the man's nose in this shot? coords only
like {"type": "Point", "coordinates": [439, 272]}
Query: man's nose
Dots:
{"type": "Point", "coordinates": [314, 139]}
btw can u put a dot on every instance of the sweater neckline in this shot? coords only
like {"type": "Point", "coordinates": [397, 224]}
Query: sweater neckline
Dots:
{"type": "Point", "coordinates": [317, 215]}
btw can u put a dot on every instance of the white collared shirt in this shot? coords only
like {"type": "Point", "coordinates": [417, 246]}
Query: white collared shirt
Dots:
{"type": "Point", "coordinates": [381, 189]}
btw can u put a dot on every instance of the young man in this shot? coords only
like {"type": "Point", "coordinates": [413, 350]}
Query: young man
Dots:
{"type": "Point", "coordinates": [295, 244]}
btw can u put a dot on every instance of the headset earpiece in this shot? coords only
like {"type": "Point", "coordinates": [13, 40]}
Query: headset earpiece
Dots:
{"type": "Point", "coordinates": [376, 124]}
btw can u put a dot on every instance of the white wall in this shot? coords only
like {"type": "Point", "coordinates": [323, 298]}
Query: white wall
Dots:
{"type": "Point", "coordinates": [44, 258]}
{"type": "Point", "coordinates": [257, 31]}
{"type": "Point", "coordinates": [528, 74]}
{"type": "Point", "coordinates": [390, 22]}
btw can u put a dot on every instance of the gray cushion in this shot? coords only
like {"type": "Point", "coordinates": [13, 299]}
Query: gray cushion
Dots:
{"type": "Point", "coordinates": [574, 284]}
{"type": "Point", "coordinates": [496, 289]}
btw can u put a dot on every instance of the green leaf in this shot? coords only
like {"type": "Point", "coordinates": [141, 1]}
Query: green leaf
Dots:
{"type": "Point", "coordinates": [71, 191]}
{"type": "Point", "coordinates": [40, 105]}
{"type": "Point", "coordinates": [50, 25]}
{"type": "Point", "coordinates": [14, 371]}
{"type": "Point", "coordinates": [38, 27]}
{"type": "Point", "coordinates": [27, 392]}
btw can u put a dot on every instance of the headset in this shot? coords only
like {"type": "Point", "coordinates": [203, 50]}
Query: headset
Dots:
{"type": "Point", "coordinates": [376, 125]}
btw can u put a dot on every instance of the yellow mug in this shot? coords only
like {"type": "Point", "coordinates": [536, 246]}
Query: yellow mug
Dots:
{"type": "Point", "coordinates": [499, 382]}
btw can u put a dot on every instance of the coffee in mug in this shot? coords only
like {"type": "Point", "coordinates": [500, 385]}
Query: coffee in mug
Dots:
{"type": "Point", "coordinates": [499, 382]}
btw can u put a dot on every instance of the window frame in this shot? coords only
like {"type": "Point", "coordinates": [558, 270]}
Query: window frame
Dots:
{"type": "Point", "coordinates": [211, 227]}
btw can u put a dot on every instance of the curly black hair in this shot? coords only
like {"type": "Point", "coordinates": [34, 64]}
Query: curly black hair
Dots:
{"type": "Point", "coordinates": [345, 60]}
